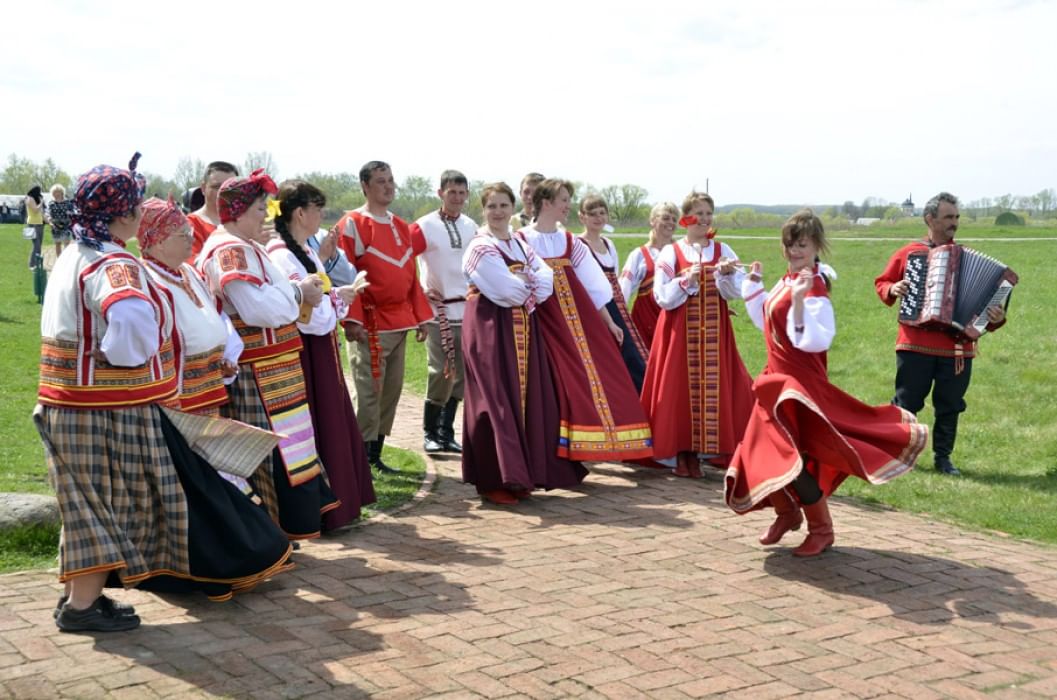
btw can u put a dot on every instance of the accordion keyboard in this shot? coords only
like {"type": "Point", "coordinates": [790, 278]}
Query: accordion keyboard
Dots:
{"type": "Point", "coordinates": [916, 269]}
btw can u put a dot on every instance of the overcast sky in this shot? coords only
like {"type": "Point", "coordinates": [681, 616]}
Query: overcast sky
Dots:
{"type": "Point", "coordinates": [801, 102]}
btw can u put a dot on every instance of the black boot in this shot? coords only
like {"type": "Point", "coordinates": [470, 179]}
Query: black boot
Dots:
{"type": "Point", "coordinates": [805, 484]}
{"type": "Point", "coordinates": [374, 455]}
{"type": "Point", "coordinates": [446, 429]}
{"type": "Point", "coordinates": [944, 430]}
{"type": "Point", "coordinates": [431, 420]}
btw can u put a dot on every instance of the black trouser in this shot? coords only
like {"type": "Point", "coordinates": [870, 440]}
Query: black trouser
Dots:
{"type": "Point", "coordinates": [916, 375]}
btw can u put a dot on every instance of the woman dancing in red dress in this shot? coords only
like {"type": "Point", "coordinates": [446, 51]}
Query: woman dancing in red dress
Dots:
{"type": "Point", "coordinates": [805, 436]}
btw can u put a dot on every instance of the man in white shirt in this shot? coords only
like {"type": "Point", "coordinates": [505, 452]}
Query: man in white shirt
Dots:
{"type": "Point", "coordinates": [445, 233]}
{"type": "Point", "coordinates": [528, 186]}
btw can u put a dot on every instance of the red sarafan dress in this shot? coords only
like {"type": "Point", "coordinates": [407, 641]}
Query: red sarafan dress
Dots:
{"type": "Point", "coordinates": [801, 420]}
{"type": "Point", "coordinates": [600, 418]}
{"type": "Point", "coordinates": [697, 393]}
{"type": "Point", "coordinates": [510, 416]}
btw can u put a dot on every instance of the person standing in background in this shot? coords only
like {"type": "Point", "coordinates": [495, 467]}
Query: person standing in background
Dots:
{"type": "Point", "coordinates": [206, 219]}
{"type": "Point", "coordinates": [528, 186]}
{"type": "Point", "coordinates": [442, 236]}
{"type": "Point", "coordinates": [60, 215]}
{"type": "Point", "coordinates": [34, 202]}
{"type": "Point", "coordinates": [378, 242]}
{"type": "Point", "coordinates": [636, 280]}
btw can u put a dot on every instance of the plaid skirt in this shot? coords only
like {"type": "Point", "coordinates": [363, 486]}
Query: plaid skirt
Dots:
{"type": "Point", "coordinates": [122, 506]}
{"type": "Point", "coordinates": [138, 503]}
{"type": "Point", "coordinates": [297, 509]}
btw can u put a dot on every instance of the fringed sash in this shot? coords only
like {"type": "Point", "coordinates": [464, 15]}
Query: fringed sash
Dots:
{"type": "Point", "coordinates": [447, 337]}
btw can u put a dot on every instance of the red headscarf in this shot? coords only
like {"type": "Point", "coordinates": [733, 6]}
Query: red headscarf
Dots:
{"type": "Point", "coordinates": [161, 219]}
{"type": "Point", "coordinates": [238, 193]}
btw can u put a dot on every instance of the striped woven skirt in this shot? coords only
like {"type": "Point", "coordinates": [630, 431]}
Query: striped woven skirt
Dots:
{"type": "Point", "coordinates": [138, 503]}
{"type": "Point", "coordinates": [298, 509]}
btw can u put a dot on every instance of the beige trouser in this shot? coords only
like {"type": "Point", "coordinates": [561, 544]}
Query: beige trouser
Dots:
{"type": "Point", "coordinates": [438, 387]}
{"type": "Point", "coordinates": [376, 411]}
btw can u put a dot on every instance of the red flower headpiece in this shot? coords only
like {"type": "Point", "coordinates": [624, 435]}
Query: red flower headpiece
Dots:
{"type": "Point", "coordinates": [691, 220]}
{"type": "Point", "coordinates": [238, 193]}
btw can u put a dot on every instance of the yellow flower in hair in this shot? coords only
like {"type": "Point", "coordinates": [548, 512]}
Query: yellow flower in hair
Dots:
{"type": "Point", "coordinates": [273, 210]}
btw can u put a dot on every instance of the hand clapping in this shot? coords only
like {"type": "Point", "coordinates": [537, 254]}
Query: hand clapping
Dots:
{"type": "Point", "coordinates": [311, 290]}
{"type": "Point", "coordinates": [803, 283]}
{"type": "Point", "coordinates": [328, 247]}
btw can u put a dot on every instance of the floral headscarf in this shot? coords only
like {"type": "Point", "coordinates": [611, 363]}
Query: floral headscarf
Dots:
{"type": "Point", "coordinates": [161, 219]}
{"type": "Point", "coordinates": [103, 194]}
{"type": "Point", "coordinates": [238, 193]}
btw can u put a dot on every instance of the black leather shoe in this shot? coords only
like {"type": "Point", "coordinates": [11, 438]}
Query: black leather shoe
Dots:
{"type": "Point", "coordinates": [106, 603]}
{"type": "Point", "coordinates": [98, 618]}
{"type": "Point", "coordinates": [374, 456]}
{"type": "Point", "coordinates": [431, 423]}
{"type": "Point", "coordinates": [383, 467]}
{"type": "Point", "coordinates": [446, 429]}
{"type": "Point", "coordinates": [945, 466]}
{"type": "Point", "coordinates": [431, 443]}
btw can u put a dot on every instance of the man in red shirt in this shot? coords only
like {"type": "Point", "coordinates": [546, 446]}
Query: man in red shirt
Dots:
{"type": "Point", "coordinates": [380, 243]}
{"type": "Point", "coordinates": [929, 359]}
{"type": "Point", "coordinates": [205, 220]}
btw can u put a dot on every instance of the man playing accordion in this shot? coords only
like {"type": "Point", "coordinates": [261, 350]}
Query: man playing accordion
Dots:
{"type": "Point", "coordinates": [927, 358]}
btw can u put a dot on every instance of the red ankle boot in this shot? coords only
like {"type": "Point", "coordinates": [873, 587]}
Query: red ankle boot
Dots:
{"type": "Point", "coordinates": [694, 466]}
{"type": "Point", "coordinates": [501, 497]}
{"type": "Point", "coordinates": [819, 530]}
{"type": "Point", "coordinates": [789, 518]}
{"type": "Point", "coordinates": [682, 464]}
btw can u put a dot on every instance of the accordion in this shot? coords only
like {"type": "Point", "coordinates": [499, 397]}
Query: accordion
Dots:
{"type": "Point", "coordinates": [950, 288]}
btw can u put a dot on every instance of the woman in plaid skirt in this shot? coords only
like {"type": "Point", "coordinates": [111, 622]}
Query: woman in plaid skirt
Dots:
{"type": "Point", "coordinates": [263, 304]}
{"type": "Point", "coordinates": [139, 508]}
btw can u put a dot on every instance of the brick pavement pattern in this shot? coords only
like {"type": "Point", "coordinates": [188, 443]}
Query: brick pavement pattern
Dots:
{"type": "Point", "coordinates": [635, 585]}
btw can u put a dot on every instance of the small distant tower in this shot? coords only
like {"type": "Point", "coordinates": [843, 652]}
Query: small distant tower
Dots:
{"type": "Point", "coordinates": [908, 206]}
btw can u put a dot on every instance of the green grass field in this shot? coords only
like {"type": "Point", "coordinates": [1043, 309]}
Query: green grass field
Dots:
{"type": "Point", "coordinates": [1007, 443]}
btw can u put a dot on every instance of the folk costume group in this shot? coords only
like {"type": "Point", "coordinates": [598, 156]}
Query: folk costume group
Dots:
{"type": "Point", "coordinates": [196, 418]}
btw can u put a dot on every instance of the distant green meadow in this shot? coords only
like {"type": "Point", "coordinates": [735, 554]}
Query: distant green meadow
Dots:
{"type": "Point", "coordinates": [1007, 442]}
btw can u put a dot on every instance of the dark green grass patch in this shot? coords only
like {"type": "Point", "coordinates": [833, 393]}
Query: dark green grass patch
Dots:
{"type": "Point", "coordinates": [393, 490]}
{"type": "Point", "coordinates": [28, 547]}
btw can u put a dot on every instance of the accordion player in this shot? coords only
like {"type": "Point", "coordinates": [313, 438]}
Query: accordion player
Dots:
{"type": "Point", "coordinates": [949, 287]}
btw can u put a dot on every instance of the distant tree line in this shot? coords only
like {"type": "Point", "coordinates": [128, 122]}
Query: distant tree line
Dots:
{"type": "Point", "coordinates": [629, 204]}
{"type": "Point", "coordinates": [1042, 205]}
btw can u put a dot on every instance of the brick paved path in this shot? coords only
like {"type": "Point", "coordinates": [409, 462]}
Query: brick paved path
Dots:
{"type": "Point", "coordinates": [636, 585]}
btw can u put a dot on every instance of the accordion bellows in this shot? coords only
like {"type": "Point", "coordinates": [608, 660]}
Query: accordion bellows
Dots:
{"type": "Point", "coordinates": [951, 286]}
